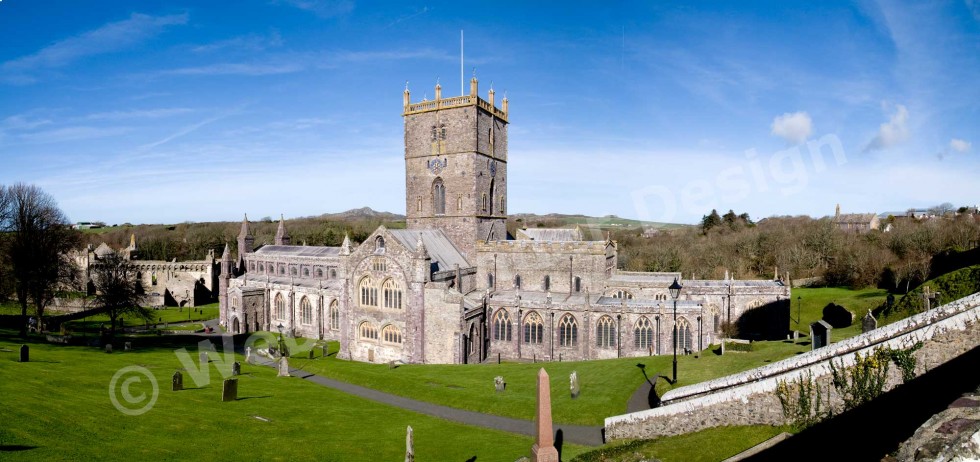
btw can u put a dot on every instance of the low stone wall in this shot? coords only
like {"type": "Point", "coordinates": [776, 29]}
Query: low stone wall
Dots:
{"type": "Point", "coordinates": [749, 398]}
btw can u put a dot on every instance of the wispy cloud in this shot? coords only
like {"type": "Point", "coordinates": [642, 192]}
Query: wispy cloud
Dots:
{"type": "Point", "coordinates": [251, 42]}
{"type": "Point", "coordinates": [425, 9]}
{"type": "Point", "coordinates": [111, 37]}
{"type": "Point", "coordinates": [321, 8]}
{"type": "Point", "coordinates": [392, 55]}
{"type": "Point", "coordinates": [794, 128]}
{"type": "Point", "coordinates": [189, 129]}
{"type": "Point", "coordinates": [959, 145]}
{"type": "Point", "coordinates": [892, 132]}
{"type": "Point", "coordinates": [247, 69]}
{"type": "Point", "coordinates": [73, 133]}
{"type": "Point", "coordinates": [138, 114]}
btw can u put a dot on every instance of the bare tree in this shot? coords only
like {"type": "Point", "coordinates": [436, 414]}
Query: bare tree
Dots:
{"type": "Point", "coordinates": [117, 290]}
{"type": "Point", "coordinates": [38, 249]}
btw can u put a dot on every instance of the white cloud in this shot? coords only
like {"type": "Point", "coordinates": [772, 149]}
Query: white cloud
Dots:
{"type": "Point", "coordinates": [959, 145]}
{"type": "Point", "coordinates": [323, 8]}
{"type": "Point", "coordinates": [892, 132]}
{"type": "Point", "coordinates": [794, 128]}
{"type": "Point", "coordinates": [110, 37]}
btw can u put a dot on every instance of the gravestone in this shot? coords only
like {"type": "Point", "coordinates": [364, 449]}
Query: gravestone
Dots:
{"type": "Point", "coordinates": [820, 334]}
{"type": "Point", "coordinates": [230, 390]}
{"type": "Point", "coordinates": [409, 445]}
{"type": "Point", "coordinates": [573, 384]}
{"type": "Point", "coordinates": [236, 368]}
{"type": "Point", "coordinates": [178, 381]}
{"type": "Point", "coordinates": [499, 384]}
{"type": "Point", "coordinates": [203, 357]}
{"type": "Point", "coordinates": [248, 355]}
{"type": "Point", "coordinates": [723, 347]}
{"type": "Point", "coordinates": [543, 449]}
{"type": "Point", "coordinates": [127, 346]}
{"type": "Point", "coordinates": [25, 354]}
{"type": "Point", "coordinates": [311, 354]}
{"type": "Point", "coordinates": [869, 323]}
{"type": "Point", "coordinates": [211, 344]}
{"type": "Point", "coordinates": [108, 348]}
{"type": "Point", "coordinates": [323, 351]}
{"type": "Point", "coordinates": [283, 367]}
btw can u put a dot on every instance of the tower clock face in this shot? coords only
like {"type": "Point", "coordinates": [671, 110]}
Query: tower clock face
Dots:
{"type": "Point", "coordinates": [493, 168]}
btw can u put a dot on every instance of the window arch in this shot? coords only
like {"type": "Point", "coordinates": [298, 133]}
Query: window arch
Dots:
{"type": "Point", "coordinates": [605, 332]}
{"type": "Point", "coordinates": [533, 328]}
{"type": "Point", "coordinates": [261, 268]}
{"type": "Point", "coordinates": [567, 331]}
{"type": "Point", "coordinates": [438, 197]}
{"type": "Point", "coordinates": [367, 331]}
{"type": "Point", "coordinates": [306, 272]}
{"type": "Point", "coordinates": [715, 319]}
{"type": "Point", "coordinates": [280, 303]}
{"type": "Point", "coordinates": [683, 334]}
{"type": "Point", "coordinates": [319, 272]}
{"type": "Point", "coordinates": [577, 284]}
{"type": "Point", "coordinates": [391, 294]}
{"type": "Point", "coordinates": [391, 334]}
{"type": "Point", "coordinates": [501, 325]}
{"type": "Point", "coordinates": [333, 273]}
{"type": "Point", "coordinates": [517, 281]}
{"type": "Point", "coordinates": [660, 297]}
{"type": "Point", "coordinates": [502, 209]}
{"type": "Point", "coordinates": [292, 271]}
{"type": "Point", "coordinates": [643, 333]}
{"type": "Point", "coordinates": [282, 270]}
{"type": "Point", "coordinates": [369, 292]}
{"type": "Point", "coordinates": [493, 193]}
{"type": "Point", "coordinates": [334, 313]}
{"type": "Point", "coordinates": [547, 282]}
{"type": "Point", "coordinates": [490, 280]}
{"type": "Point", "coordinates": [306, 311]}
{"type": "Point", "coordinates": [622, 294]}
{"type": "Point", "coordinates": [484, 202]}
{"type": "Point", "coordinates": [379, 244]}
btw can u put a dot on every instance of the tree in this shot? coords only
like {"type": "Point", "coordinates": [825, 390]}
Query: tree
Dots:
{"type": "Point", "coordinates": [38, 247]}
{"type": "Point", "coordinates": [710, 221]}
{"type": "Point", "coordinates": [117, 290]}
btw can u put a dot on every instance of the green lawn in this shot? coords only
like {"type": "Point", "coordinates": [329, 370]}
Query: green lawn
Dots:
{"type": "Point", "coordinates": [709, 445]}
{"type": "Point", "coordinates": [813, 302]}
{"type": "Point", "coordinates": [170, 315]}
{"type": "Point", "coordinates": [58, 407]}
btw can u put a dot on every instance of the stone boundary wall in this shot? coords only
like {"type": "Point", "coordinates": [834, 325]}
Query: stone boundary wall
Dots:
{"type": "Point", "coordinates": [749, 398]}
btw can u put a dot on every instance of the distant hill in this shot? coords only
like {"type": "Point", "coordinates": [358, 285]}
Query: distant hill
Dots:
{"type": "Point", "coordinates": [609, 221]}
{"type": "Point", "coordinates": [363, 213]}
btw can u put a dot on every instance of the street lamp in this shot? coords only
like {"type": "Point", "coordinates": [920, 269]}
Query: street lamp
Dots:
{"type": "Point", "coordinates": [280, 338]}
{"type": "Point", "coordinates": [675, 291]}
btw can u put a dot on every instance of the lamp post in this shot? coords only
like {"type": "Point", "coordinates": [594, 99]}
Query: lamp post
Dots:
{"type": "Point", "coordinates": [280, 338]}
{"type": "Point", "coordinates": [675, 291]}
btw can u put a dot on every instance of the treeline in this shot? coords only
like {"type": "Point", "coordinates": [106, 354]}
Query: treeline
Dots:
{"type": "Point", "coordinates": [193, 241]}
{"type": "Point", "coordinates": [805, 247]}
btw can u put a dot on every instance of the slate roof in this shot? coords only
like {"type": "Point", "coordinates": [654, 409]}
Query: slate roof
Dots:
{"type": "Point", "coordinates": [551, 234]}
{"type": "Point", "coordinates": [334, 284]}
{"type": "Point", "coordinates": [298, 251]}
{"type": "Point", "coordinates": [863, 218]}
{"type": "Point", "coordinates": [441, 249]}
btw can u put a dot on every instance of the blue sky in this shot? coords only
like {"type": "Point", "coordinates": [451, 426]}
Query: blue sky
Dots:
{"type": "Point", "coordinates": [163, 112]}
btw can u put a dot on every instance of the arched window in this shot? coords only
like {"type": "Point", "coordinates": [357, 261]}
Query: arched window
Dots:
{"type": "Point", "coordinates": [533, 328]}
{"type": "Point", "coordinates": [605, 332]}
{"type": "Point", "coordinates": [306, 272]}
{"type": "Point", "coordinates": [306, 311]}
{"type": "Point", "coordinates": [369, 292]}
{"type": "Point", "coordinates": [577, 284]}
{"type": "Point", "coordinates": [493, 193]}
{"type": "Point", "coordinates": [684, 334]}
{"type": "Point", "coordinates": [622, 294]}
{"type": "Point", "coordinates": [333, 273]}
{"type": "Point", "coordinates": [484, 202]}
{"type": "Point", "coordinates": [391, 334]}
{"type": "Point", "coordinates": [715, 319]}
{"type": "Point", "coordinates": [547, 282]}
{"type": "Point", "coordinates": [292, 271]}
{"type": "Point", "coordinates": [643, 333]}
{"type": "Point", "coordinates": [334, 315]}
{"type": "Point", "coordinates": [261, 268]}
{"type": "Point", "coordinates": [379, 244]}
{"type": "Point", "coordinates": [502, 209]}
{"type": "Point", "coordinates": [367, 331]}
{"type": "Point", "coordinates": [567, 331]}
{"type": "Point", "coordinates": [319, 272]}
{"type": "Point", "coordinates": [391, 294]}
{"type": "Point", "coordinates": [282, 270]}
{"type": "Point", "coordinates": [280, 307]}
{"type": "Point", "coordinates": [517, 281]}
{"type": "Point", "coordinates": [438, 197]}
{"type": "Point", "coordinates": [490, 280]}
{"type": "Point", "coordinates": [501, 325]}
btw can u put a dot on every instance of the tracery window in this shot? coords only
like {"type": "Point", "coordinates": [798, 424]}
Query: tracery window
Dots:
{"type": "Point", "coordinates": [533, 328]}
{"type": "Point", "coordinates": [643, 333]}
{"type": "Point", "coordinates": [605, 332]}
{"type": "Point", "coordinates": [501, 325]}
{"type": "Point", "coordinates": [567, 331]}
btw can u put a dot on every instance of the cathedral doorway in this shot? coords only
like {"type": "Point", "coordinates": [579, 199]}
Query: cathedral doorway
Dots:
{"type": "Point", "coordinates": [236, 327]}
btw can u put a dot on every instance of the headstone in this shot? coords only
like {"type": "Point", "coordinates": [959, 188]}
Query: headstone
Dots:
{"type": "Point", "coordinates": [869, 323]}
{"type": "Point", "coordinates": [573, 384]}
{"type": "Point", "coordinates": [283, 367]}
{"type": "Point", "coordinates": [178, 381]}
{"type": "Point", "coordinates": [499, 384]}
{"type": "Point", "coordinates": [543, 449]}
{"type": "Point", "coordinates": [108, 348]}
{"type": "Point", "coordinates": [25, 353]}
{"type": "Point", "coordinates": [409, 445]}
{"type": "Point", "coordinates": [723, 347]}
{"type": "Point", "coordinates": [323, 351]}
{"type": "Point", "coordinates": [203, 356]}
{"type": "Point", "coordinates": [128, 346]}
{"type": "Point", "coordinates": [248, 355]}
{"type": "Point", "coordinates": [820, 334]}
{"type": "Point", "coordinates": [311, 354]}
{"type": "Point", "coordinates": [236, 368]}
{"type": "Point", "coordinates": [230, 391]}
{"type": "Point", "coordinates": [211, 344]}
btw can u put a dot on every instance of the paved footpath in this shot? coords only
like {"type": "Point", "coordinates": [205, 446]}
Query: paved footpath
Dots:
{"type": "Point", "coordinates": [578, 434]}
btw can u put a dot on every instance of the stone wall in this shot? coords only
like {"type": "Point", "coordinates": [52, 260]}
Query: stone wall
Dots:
{"type": "Point", "coordinates": [749, 398]}
{"type": "Point", "coordinates": [561, 262]}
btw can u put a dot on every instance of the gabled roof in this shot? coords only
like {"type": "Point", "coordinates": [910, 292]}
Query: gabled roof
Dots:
{"type": "Point", "coordinates": [298, 251]}
{"type": "Point", "coordinates": [855, 218]}
{"type": "Point", "coordinates": [550, 234]}
{"type": "Point", "coordinates": [441, 249]}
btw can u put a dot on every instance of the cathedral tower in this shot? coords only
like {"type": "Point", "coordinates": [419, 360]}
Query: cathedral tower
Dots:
{"type": "Point", "coordinates": [456, 167]}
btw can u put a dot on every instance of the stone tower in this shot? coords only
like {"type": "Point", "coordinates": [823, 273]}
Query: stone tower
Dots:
{"type": "Point", "coordinates": [456, 167]}
{"type": "Point", "coordinates": [246, 244]}
{"type": "Point", "coordinates": [282, 237]}
{"type": "Point", "coordinates": [223, 279]}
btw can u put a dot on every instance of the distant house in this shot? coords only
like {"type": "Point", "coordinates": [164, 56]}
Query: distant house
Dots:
{"type": "Point", "coordinates": [856, 222]}
{"type": "Point", "coordinates": [88, 225]}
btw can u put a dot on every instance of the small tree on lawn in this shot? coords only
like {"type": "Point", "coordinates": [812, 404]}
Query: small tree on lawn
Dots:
{"type": "Point", "coordinates": [118, 291]}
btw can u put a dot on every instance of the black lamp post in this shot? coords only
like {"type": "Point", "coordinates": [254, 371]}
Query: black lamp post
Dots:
{"type": "Point", "coordinates": [675, 291]}
{"type": "Point", "coordinates": [280, 338]}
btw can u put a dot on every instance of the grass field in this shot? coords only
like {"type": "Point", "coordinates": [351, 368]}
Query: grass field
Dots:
{"type": "Point", "coordinates": [172, 315]}
{"type": "Point", "coordinates": [58, 407]}
{"type": "Point", "coordinates": [709, 445]}
{"type": "Point", "coordinates": [813, 302]}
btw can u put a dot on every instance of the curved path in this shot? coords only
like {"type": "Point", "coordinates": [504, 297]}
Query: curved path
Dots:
{"type": "Point", "coordinates": [578, 434]}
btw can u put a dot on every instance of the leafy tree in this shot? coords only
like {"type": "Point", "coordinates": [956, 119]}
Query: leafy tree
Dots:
{"type": "Point", "coordinates": [39, 247]}
{"type": "Point", "coordinates": [710, 221]}
{"type": "Point", "coordinates": [117, 290]}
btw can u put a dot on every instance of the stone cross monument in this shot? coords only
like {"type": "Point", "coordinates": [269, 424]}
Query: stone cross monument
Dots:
{"type": "Point", "coordinates": [543, 449]}
{"type": "Point", "coordinates": [409, 446]}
